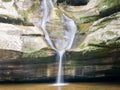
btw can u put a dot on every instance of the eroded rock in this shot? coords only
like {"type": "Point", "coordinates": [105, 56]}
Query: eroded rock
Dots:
{"type": "Point", "coordinates": [21, 38]}
{"type": "Point", "coordinates": [25, 55]}
{"type": "Point", "coordinates": [104, 30]}
{"type": "Point", "coordinates": [7, 10]}
{"type": "Point", "coordinates": [94, 10]}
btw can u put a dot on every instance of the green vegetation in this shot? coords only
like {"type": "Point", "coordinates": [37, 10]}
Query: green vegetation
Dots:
{"type": "Point", "coordinates": [104, 22]}
{"type": "Point", "coordinates": [34, 6]}
{"type": "Point", "coordinates": [82, 46]}
{"type": "Point", "coordinates": [41, 53]}
{"type": "Point", "coordinates": [107, 7]}
{"type": "Point", "coordinates": [111, 33]}
{"type": "Point", "coordinates": [58, 13]}
{"type": "Point", "coordinates": [88, 19]}
{"type": "Point", "coordinates": [6, 0]}
{"type": "Point", "coordinates": [30, 10]}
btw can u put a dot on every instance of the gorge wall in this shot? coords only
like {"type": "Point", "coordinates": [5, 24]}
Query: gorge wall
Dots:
{"type": "Point", "coordinates": [25, 55]}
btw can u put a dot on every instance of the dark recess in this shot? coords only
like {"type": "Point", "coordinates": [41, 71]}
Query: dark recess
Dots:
{"type": "Point", "coordinates": [73, 2]}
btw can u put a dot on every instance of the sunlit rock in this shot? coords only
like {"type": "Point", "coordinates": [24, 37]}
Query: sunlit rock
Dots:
{"type": "Point", "coordinates": [104, 30]}
{"type": "Point", "coordinates": [7, 10]}
{"type": "Point", "coordinates": [94, 10]}
{"type": "Point", "coordinates": [21, 38]}
{"type": "Point", "coordinates": [26, 56]}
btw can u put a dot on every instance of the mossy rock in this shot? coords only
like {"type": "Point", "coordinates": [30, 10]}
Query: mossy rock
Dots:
{"type": "Point", "coordinates": [102, 39]}
{"type": "Point", "coordinates": [102, 23]}
{"type": "Point", "coordinates": [103, 8]}
{"type": "Point", "coordinates": [88, 19]}
{"type": "Point", "coordinates": [29, 11]}
{"type": "Point", "coordinates": [83, 27]}
{"type": "Point", "coordinates": [6, 0]}
{"type": "Point", "coordinates": [93, 51]}
{"type": "Point", "coordinates": [10, 55]}
{"type": "Point", "coordinates": [38, 54]}
{"type": "Point", "coordinates": [108, 7]}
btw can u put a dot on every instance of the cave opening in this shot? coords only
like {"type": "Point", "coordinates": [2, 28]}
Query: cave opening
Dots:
{"type": "Point", "coordinates": [74, 2]}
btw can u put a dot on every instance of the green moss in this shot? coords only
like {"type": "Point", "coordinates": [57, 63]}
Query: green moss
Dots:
{"type": "Point", "coordinates": [88, 19]}
{"type": "Point", "coordinates": [107, 7]}
{"type": "Point", "coordinates": [25, 16]}
{"type": "Point", "coordinates": [82, 46]}
{"type": "Point", "coordinates": [58, 13]}
{"type": "Point", "coordinates": [107, 20]}
{"type": "Point", "coordinates": [9, 78]}
{"type": "Point", "coordinates": [104, 22]}
{"type": "Point", "coordinates": [111, 33]}
{"type": "Point", "coordinates": [92, 48]}
{"type": "Point", "coordinates": [72, 66]}
{"type": "Point", "coordinates": [41, 53]}
{"type": "Point", "coordinates": [30, 10]}
{"type": "Point", "coordinates": [111, 45]}
{"type": "Point", "coordinates": [6, 0]}
{"type": "Point", "coordinates": [34, 6]}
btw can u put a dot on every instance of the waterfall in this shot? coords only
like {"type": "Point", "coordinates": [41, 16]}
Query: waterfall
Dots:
{"type": "Point", "coordinates": [61, 39]}
{"type": "Point", "coordinates": [59, 76]}
{"type": "Point", "coordinates": [46, 8]}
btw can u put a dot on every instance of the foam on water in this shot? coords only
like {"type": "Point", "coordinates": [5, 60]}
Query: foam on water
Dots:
{"type": "Point", "coordinates": [60, 84]}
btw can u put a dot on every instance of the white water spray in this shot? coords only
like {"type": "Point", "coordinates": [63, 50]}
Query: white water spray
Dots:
{"type": "Point", "coordinates": [58, 44]}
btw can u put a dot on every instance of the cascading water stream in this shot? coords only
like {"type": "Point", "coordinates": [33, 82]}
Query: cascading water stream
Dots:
{"type": "Point", "coordinates": [45, 15]}
{"type": "Point", "coordinates": [60, 45]}
{"type": "Point", "coordinates": [59, 76]}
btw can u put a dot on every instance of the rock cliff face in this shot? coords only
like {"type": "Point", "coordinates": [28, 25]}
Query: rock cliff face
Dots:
{"type": "Point", "coordinates": [25, 55]}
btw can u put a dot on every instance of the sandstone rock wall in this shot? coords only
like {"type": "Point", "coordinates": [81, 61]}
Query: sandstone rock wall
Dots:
{"type": "Point", "coordinates": [25, 55]}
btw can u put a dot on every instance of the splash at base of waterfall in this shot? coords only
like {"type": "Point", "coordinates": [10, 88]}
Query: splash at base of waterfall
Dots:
{"type": "Point", "coordinates": [60, 84]}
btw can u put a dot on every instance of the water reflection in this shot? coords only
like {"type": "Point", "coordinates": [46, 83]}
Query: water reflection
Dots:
{"type": "Point", "coordinates": [59, 88]}
{"type": "Point", "coordinates": [80, 86]}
